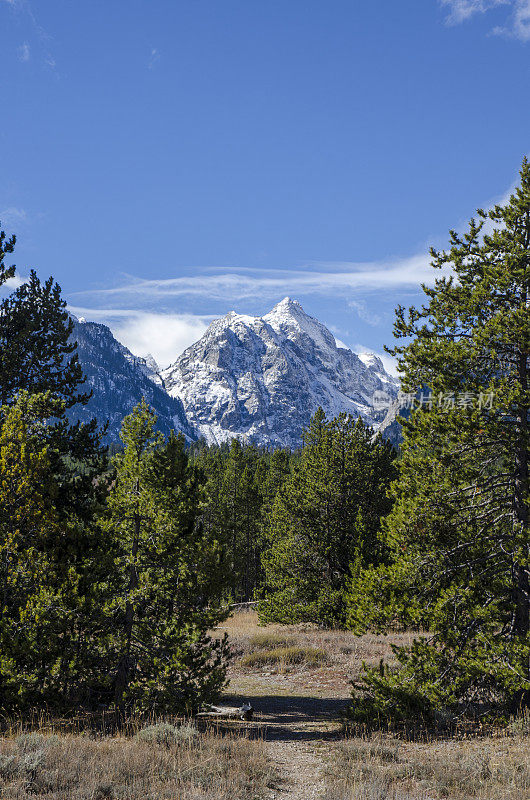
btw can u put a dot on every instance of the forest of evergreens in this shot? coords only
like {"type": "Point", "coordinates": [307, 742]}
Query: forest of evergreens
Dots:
{"type": "Point", "coordinates": [115, 569]}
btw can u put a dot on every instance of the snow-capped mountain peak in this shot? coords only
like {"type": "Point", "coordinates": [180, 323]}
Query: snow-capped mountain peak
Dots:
{"type": "Point", "coordinates": [289, 319]}
{"type": "Point", "coordinates": [262, 378]}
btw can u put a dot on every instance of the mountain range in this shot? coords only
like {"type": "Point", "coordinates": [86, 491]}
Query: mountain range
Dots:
{"type": "Point", "coordinates": [257, 378]}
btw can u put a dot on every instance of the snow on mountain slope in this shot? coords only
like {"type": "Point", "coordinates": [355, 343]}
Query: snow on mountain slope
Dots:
{"type": "Point", "coordinates": [119, 380]}
{"type": "Point", "coordinates": [262, 378]}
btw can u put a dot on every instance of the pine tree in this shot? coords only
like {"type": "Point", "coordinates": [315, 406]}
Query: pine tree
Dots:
{"type": "Point", "coordinates": [26, 517]}
{"type": "Point", "coordinates": [49, 587]}
{"type": "Point", "coordinates": [36, 352]}
{"type": "Point", "coordinates": [240, 515]}
{"type": "Point", "coordinates": [459, 533]}
{"type": "Point", "coordinates": [232, 513]}
{"type": "Point", "coordinates": [324, 520]}
{"type": "Point", "coordinates": [273, 471]}
{"type": "Point", "coordinates": [6, 246]}
{"type": "Point", "coordinates": [37, 355]}
{"type": "Point", "coordinates": [161, 606]}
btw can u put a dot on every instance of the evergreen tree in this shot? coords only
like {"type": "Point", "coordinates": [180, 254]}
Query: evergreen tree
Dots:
{"type": "Point", "coordinates": [240, 505]}
{"type": "Point", "coordinates": [27, 516]}
{"type": "Point", "coordinates": [232, 512]}
{"type": "Point", "coordinates": [324, 520]}
{"type": "Point", "coordinates": [37, 355]}
{"type": "Point", "coordinates": [160, 603]}
{"type": "Point", "coordinates": [459, 533]}
{"type": "Point", "coordinates": [6, 246]}
{"type": "Point", "coordinates": [273, 471]}
{"type": "Point", "coordinates": [49, 587]}
{"type": "Point", "coordinates": [36, 352]}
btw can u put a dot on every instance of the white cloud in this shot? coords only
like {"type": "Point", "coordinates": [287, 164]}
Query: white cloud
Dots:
{"type": "Point", "coordinates": [12, 216]}
{"type": "Point", "coordinates": [13, 283]}
{"type": "Point", "coordinates": [521, 24]}
{"type": "Point", "coordinates": [461, 10]}
{"type": "Point", "coordinates": [517, 25]}
{"type": "Point", "coordinates": [165, 336]}
{"type": "Point", "coordinates": [270, 284]}
{"type": "Point", "coordinates": [24, 52]}
{"type": "Point", "coordinates": [389, 362]}
{"type": "Point", "coordinates": [154, 58]}
{"type": "Point", "coordinates": [364, 313]}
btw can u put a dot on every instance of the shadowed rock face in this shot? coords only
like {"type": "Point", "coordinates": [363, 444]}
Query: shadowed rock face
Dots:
{"type": "Point", "coordinates": [263, 378]}
{"type": "Point", "coordinates": [119, 380]}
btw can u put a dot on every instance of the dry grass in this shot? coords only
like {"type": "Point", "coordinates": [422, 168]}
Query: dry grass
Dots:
{"type": "Point", "coordinates": [390, 769]}
{"type": "Point", "coordinates": [285, 656]}
{"type": "Point", "coordinates": [344, 652]}
{"type": "Point", "coordinates": [163, 763]}
{"type": "Point", "coordinates": [269, 639]}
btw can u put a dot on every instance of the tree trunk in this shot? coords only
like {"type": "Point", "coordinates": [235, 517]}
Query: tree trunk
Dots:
{"type": "Point", "coordinates": [522, 582]}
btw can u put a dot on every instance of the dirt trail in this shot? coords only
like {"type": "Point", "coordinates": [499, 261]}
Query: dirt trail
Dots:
{"type": "Point", "coordinates": [299, 730]}
{"type": "Point", "coordinates": [298, 709]}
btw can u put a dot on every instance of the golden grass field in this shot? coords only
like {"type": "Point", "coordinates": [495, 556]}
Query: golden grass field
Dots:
{"type": "Point", "coordinates": [297, 678]}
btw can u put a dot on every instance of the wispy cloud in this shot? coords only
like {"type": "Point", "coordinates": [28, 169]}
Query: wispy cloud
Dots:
{"type": "Point", "coordinates": [165, 336]}
{"type": "Point", "coordinates": [154, 58]}
{"type": "Point", "coordinates": [24, 52]}
{"type": "Point", "coordinates": [235, 284]}
{"type": "Point", "coordinates": [462, 10]}
{"type": "Point", "coordinates": [12, 216]}
{"type": "Point", "coordinates": [364, 313]}
{"type": "Point", "coordinates": [136, 321]}
{"type": "Point", "coordinates": [517, 24]}
{"type": "Point", "coordinates": [39, 38]}
{"type": "Point", "coordinates": [13, 283]}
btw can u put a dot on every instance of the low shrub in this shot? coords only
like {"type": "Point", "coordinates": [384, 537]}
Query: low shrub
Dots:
{"type": "Point", "coordinates": [165, 734]}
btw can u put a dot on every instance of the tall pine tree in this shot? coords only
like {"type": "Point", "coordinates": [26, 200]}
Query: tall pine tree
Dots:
{"type": "Point", "coordinates": [37, 355]}
{"type": "Point", "coordinates": [459, 533]}
{"type": "Point", "coordinates": [49, 569]}
{"type": "Point", "coordinates": [160, 599]}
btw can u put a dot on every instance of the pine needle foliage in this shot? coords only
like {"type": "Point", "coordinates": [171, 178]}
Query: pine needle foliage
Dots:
{"type": "Point", "coordinates": [459, 533]}
{"type": "Point", "coordinates": [324, 522]}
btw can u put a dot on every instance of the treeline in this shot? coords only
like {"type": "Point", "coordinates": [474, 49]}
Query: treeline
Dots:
{"type": "Point", "coordinates": [114, 570]}
{"type": "Point", "coordinates": [107, 579]}
{"type": "Point", "coordinates": [296, 526]}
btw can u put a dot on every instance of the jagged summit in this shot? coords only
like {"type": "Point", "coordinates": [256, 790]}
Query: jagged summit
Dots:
{"type": "Point", "coordinates": [263, 377]}
{"type": "Point", "coordinates": [287, 304]}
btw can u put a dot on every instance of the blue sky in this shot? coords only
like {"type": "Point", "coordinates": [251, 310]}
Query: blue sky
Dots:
{"type": "Point", "coordinates": [169, 161]}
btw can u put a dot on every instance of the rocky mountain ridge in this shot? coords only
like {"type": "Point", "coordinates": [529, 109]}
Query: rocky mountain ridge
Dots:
{"type": "Point", "coordinates": [262, 378]}
{"type": "Point", "coordinates": [118, 380]}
